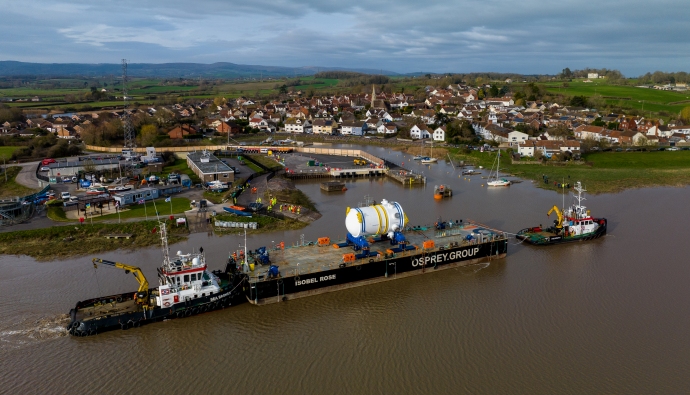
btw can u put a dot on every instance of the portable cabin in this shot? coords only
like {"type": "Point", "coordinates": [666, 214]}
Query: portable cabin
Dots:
{"type": "Point", "coordinates": [136, 195]}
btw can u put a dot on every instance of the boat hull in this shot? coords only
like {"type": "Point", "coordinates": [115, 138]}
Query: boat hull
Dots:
{"type": "Point", "coordinates": [237, 212]}
{"type": "Point", "coordinates": [229, 295]}
{"type": "Point", "coordinates": [373, 271]}
{"type": "Point", "coordinates": [535, 238]}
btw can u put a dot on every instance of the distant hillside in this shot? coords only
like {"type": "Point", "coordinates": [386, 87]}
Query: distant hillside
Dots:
{"type": "Point", "coordinates": [186, 70]}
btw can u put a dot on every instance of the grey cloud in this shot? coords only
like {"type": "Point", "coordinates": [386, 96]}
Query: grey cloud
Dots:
{"type": "Point", "coordinates": [531, 36]}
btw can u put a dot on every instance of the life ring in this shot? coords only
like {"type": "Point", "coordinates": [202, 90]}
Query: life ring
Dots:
{"type": "Point", "coordinates": [119, 299]}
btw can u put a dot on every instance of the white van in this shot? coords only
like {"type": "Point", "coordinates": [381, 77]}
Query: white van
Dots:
{"type": "Point", "coordinates": [263, 150]}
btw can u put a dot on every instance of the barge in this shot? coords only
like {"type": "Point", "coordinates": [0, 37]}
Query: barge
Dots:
{"type": "Point", "coordinates": [380, 246]}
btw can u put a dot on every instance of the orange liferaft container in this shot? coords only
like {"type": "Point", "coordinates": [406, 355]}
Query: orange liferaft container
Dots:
{"type": "Point", "coordinates": [428, 244]}
{"type": "Point", "coordinates": [349, 257]}
{"type": "Point", "coordinates": [324, 241]}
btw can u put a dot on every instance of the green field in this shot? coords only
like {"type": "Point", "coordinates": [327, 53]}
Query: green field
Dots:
{"type": "Point", "coordinates": [609, 171]}
{"type": "Point", "coordinates": [7, 152]}
{"type": "Point", "coordinates": [649, 100]}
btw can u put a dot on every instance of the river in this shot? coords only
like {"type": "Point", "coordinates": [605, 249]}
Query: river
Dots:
{"type": "Point", "coordinates": [606, 316]}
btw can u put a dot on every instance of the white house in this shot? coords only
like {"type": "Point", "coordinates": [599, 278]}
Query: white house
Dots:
{"type": "Point", "coordinates": [387, 129]}
{"type": "Point", "coordinates": [352, 128]}
{"type": "Point", "coordinates": [440, 134]}
{"type": "Point", "coordinates": [419, 132]}
{"type": "Point", "coordinates": [297, 125]}
{"type": "Point", "coordinates": [515, 137]}
{"type": "Point", "coordinates": [526, 148]}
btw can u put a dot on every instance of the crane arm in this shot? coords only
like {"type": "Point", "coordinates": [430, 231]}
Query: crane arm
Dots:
{"type": "Point", "coordinates": [559, 214]}
{"type": "Point", "coordinates": [138, 274]}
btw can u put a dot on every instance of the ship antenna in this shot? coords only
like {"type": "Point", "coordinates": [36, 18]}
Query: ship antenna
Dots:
{"type": "Point", "coordinates": [164, 244]}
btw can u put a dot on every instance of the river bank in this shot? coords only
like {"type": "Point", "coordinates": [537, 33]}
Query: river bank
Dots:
{"type": "Point", "coordinates": [604, 172]}
{"type": "Point", "coordinates": [59, 242]}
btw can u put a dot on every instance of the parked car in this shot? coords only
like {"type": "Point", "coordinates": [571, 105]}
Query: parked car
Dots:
{"type": "Point", "coordinates": [673, 149]}
{"type": "Point", "coordinates": [65, 195]}
{"type": "Point", "coordinates": [44, 168]}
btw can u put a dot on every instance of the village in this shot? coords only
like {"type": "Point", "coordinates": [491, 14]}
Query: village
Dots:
{"type": "Point", "coordinates": [453, 114]}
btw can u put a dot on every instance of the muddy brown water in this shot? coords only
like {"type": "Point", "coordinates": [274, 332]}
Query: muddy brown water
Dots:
{"type": "Point", "coordinates": [607, 316]}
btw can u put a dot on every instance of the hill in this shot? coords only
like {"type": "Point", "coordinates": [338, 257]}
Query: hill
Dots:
{"type": "Point", "coordinates": [186, 70]}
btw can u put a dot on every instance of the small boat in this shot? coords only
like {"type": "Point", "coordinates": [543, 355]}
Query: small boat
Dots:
{"type": "Point", "coordinates": [418, 157]}
{"type": "Point", "coordinates": [237, 212]}
{"type": "Point", "coordinates": [92, 190]}
{"type": "Point", "coordinates": [442, 191]}
{"type": "Point", "coordinates": [429, 160]}
{"type": "Point", "coordinates": [217, 186]}
{"type": "Point", "coordinates": [494, 181]}
{"type": "Point", "coordinates": [469, 172]}
{"type": "Point", "coordinates": [119, 188]}
{"type": "Point", "coordinates": [572, 224]}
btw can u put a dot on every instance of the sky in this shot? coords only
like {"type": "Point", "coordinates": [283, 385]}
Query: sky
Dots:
{"type": "Point", "coordinates": [527, 36]}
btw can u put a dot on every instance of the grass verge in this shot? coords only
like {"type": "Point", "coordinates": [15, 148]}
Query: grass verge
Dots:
{"type": "Point", "coordinates": [59, 242]}
{"type": "Point", "coordinates": [11, 188]}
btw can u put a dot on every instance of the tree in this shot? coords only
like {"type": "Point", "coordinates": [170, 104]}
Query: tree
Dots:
{"type": "Point", "coordinates": [219, 101]}
{"type": "Point", "coordinates": [148, 135]}
{"type": "Point", "coordinates": [598, 122]}
{"type": "Point", "coordinates": [493, 91]}
{"type": "Point", "coordinates": [566, 73]}
{"type": "Point", "coordinates": [685, 114]}
{"type": "Point", "coordinates": [559, 131]}
{"type": "Point", "coordinates": [579, 101]}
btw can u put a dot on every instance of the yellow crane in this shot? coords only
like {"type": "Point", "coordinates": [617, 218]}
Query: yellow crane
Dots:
{"type": "Point", "coordinates": [143, 291]}
{"type": "Point", "coordinates": [559, 223]}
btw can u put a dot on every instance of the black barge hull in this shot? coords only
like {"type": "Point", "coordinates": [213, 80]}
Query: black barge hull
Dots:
{"type": "Point", "coordinates": [371, 271]}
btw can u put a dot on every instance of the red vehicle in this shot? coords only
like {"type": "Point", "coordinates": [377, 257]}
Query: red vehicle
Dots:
{"type": "Point", "coordinates": [47, 161]}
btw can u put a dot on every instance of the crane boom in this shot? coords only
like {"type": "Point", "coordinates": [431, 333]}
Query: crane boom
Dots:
{"type": "Point", "coordinates": [559, 224]}
{"type": "Point", "coordinates": [142, 293]}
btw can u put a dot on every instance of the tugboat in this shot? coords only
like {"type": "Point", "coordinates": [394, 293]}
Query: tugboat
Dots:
{"type": "Point", "coordinates": [573, 224]}
{"type": "Point", "coordinates": [442, 191]}
{"type": "Point", "coordinates": [186, 287]}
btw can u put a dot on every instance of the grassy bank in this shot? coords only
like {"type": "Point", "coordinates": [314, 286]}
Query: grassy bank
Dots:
{"type": "Point", "coordinates": [73, 240]}
{"type": "Point", "coordinates": [11, 188]}
{"type": "Point", "coordinates": [266, 224]}
{"type": "Point", "coordinates": [609, 171]}
{"type": "Point", "coordinates": [179, 205]}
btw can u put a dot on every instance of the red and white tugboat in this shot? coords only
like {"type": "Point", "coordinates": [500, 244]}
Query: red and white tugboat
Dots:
{"type": "Point", "coordinates": [573, 224]}
{"type": "Point", "coordinates": [186, 287]}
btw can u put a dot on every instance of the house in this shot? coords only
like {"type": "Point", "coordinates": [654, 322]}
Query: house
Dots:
{"type": "Point", "coordinates": [515, 137]}
{"type": "Point", "coordinates": [440, 134]}
{"type": "Point", "coordinates": [526, 148]}
{"type": "Point", "coordinates": [589, 132]}
{"type": "Point", "coordinates": [352, 128]}
{"type": "Point", "coordinates": [324, 126]}
{"type": "Point", "coordinates": [419, 132]}
{"type": "Point", "coordinates": [228, 127]}
{"type": "Point", "coordinates": [181, 131]}
{"type": "Point", "coordinates": [387, 129]}
{"type": "Point", "coordinates": [298, 125]}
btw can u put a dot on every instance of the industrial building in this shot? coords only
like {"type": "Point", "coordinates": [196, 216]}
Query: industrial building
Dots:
{"type": "Point", "coordinates": [209, 168]}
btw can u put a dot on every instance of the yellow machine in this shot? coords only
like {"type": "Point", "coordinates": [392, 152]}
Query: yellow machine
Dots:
{"type": "Point", "coordinates": [559, 223]}
{"type": "Point", "coordinates": [360, 162]}
{"type": "Point", "coordinates": [143, 291]}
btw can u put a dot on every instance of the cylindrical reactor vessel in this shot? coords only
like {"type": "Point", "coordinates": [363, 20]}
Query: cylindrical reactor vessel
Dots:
{"type": "Point", "coordinates": [377, 219]}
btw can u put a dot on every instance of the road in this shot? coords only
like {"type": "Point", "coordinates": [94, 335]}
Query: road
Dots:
{"type": "Point", "coordinates": [27, 176]}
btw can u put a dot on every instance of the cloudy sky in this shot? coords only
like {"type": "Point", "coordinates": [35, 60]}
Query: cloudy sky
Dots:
{"type": "Point", "coordinates": [527, 36]}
